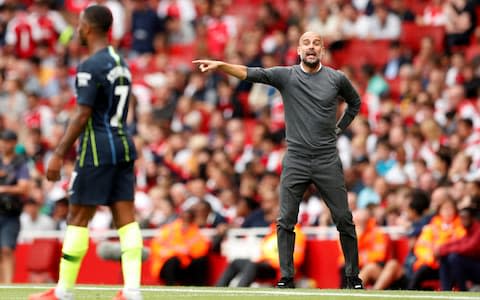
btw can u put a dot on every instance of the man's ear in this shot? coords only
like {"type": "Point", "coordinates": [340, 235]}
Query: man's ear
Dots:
{"type": "Point", "coordinates": [299, 51]}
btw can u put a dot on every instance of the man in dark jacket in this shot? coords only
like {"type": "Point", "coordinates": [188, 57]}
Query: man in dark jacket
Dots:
{"type": "Point", "coordinates": [460, 259]}
{"type": "Point", "coordinates": [14, 185]}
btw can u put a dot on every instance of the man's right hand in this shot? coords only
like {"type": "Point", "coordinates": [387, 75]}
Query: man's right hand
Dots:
{"type": "Point", "coordinates": [54, 166]}
{"type": "Point", "coordinates": [207, 65]}
{"type": "Point", "coordinates": [238, 71]}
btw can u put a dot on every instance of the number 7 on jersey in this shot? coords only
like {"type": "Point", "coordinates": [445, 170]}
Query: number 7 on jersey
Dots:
{"type": "Point", "coordinates": [122, 92]}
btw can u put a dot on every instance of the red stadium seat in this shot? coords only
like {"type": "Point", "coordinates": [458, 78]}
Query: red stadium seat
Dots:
{"type": "Point", "coordinates": [412, 35]}
{"type": "Point", "coordinates": [394, 87]}
{"type": "Point", "coordinates": [477, 13]}
{"type": "Point", "coordinates": [218, 264]}
{"type": "Point", "coordinates": [400, 249]}
{"type": "Point", "coordinates": [471, 52]}
{"type": "Point", "coordinates": [358, 52]}
{"type": "Point", "coordinates": [417, 6]}
{"type": "Point", "coordinates": [43, 260]}
{"type": "Point", "coordinates": [322, 263]}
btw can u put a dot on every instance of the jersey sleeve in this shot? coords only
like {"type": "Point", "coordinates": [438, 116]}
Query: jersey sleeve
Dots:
{"type": "Point", "coordinates": [273, 76]}
{"type": "Point", "coordinates": [86, 84]}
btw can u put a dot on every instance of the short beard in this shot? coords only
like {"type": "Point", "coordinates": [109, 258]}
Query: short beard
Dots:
{"type": "Point", "coordinates": [312, 65]}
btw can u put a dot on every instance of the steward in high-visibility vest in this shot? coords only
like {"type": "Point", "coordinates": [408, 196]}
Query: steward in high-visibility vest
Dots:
{"type": "Point", "coordinates": [443, 228]}
{"type": "Point", "coordinates": [181, 239]}
{"type": "Point", "coordinates": [435, 234]}
{"type": "Point", "coordinates": [269, 248]}
{"type": "Point", "coordinates": [372, 243]}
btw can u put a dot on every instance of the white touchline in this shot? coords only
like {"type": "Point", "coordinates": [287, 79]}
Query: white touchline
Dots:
{"type": "Point", "coordinates": [253, 291]}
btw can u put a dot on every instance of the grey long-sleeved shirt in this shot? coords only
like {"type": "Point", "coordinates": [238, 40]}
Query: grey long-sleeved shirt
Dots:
{"type": "Point", "coordinates": [310, 102]}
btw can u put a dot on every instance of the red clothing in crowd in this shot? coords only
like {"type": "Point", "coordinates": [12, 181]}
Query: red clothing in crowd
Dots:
{"type": "Point", "coordinates": [468, 245]}
{"type": "Point", "coordinates": [22, 34]}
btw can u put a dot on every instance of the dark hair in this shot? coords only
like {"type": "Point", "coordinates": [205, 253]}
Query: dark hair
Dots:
{"type": "Point", "coordinates": [420, 201]}
{"type": "Point", "coordinates": [466, 121]}
{"type": "Point", "coordinates": [99, 16]}
{"type": "Point", "coordinates": [445, 155]}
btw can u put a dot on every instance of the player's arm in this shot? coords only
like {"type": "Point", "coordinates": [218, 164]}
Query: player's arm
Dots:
{"type": "Point", "coordinates": [238, 71]}
{"type": "Point", "coordinates": [75, 128]}
{"type": "Point", "coordinates": [348, 92]}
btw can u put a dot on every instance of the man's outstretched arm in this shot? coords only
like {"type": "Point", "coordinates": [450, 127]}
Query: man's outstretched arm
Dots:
{"type": "Point", "coordinates": [238, 71]}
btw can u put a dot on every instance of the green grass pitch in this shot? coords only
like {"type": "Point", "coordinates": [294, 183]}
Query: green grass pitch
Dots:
{"type": "Point", "coordinates": [91, 292]}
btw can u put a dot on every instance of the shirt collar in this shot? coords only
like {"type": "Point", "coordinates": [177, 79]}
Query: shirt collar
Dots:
{"type": "Point", "coordinates": [318, 70]}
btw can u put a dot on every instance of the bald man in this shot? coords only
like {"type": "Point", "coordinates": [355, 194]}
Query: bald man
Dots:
{"type": "Point", "coordinates": [310, 93]}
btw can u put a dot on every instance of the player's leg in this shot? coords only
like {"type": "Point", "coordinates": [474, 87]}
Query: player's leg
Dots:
{"type": "Point", "coordinates": [88, 188]}
{"type": "Point", "coordinates": [294, 181]}
{"type": "Point", "coordinates": [123, 209]}
{"type": "Point", "coordinates": [75, 246]}
{"type": "Point", "coordinates": [328, 178]}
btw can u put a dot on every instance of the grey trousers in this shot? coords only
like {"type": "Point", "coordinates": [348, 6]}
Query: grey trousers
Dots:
{"type": "Point", "coordinates": [326, 172]}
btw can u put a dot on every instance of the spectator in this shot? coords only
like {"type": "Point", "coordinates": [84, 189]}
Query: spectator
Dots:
{"type": "Point", "coordinates": [245, 206]}
{"type": "Point", "coordinates": [32, 219]}
{"type": "Point", "coordinates": [14, 101]}
{"type": "Point", "coordinates": [145, 25]}
{"type": "Point", "coordinates": [267, 265]}
{"type": "Point", "coordinates": [60, 213]}
{"type": "Point", "coordinates": [400, 8]}
{"type": "Point", "coordinates": [14, 186]}
{"type": "Point", "coordinates": [434, 14]}
{"type": "Point", "coordinates": [460, 259]}
{"type": "Point", "coordinates": [220, 30]}
{"type": "Point", "coordinates": [397, 174]}
{"type": "Point", "coordinates": [266, 214]}
{"type": "Point", "coordinates": [368, 195]}
{"type": "Point", "coordinates": [460, 23]}
{"type": "Point", "coordinates": [396, 58]}
{"type": "Point", "coordinates": [50, 22]}
{"type": "Point", "coordinates": [163, 211]}
{"type": "Point", "coordinates": [372, 246]}
{"type": "Point", "coordinates": [382, 24]}
{"type": "Point", "coordinates": [350, 22]}
{"type": "Point", "coordinates": [179, 31]}
{"type": "Point", "coordinates": [22, 34]}
{"type": "Point", "coordinates": [376, 84]}
{"type": "Point", "coordinates": [119, 20]}
{"type": "Point", "coordinates": [325, 22]}
{"type": "Point", "coordinates": [443, 228]}
{"type": "Point", "coordinates": [179, 251]}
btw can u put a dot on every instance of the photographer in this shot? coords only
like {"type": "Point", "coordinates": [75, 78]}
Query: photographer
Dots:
{"type": "Point", "coordinates": [14, 182]}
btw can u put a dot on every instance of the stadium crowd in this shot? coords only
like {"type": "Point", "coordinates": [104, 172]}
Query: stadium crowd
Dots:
{"type": "Point", "coordinates": [212, 146]}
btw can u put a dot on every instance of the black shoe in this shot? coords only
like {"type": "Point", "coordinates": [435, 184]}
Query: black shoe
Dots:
{"type": "Point", "coordinates": [355, 283]}
{"type": "Point", "coordinates": [286, 283]}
